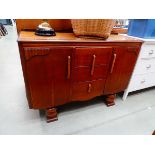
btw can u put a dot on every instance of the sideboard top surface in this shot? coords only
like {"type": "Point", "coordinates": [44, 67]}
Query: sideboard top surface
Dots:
{"type": "Point", "coordinates": [27, 36]}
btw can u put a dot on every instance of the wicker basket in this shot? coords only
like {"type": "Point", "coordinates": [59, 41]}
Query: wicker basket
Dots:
{"type": "Point", "coordinates": [93, 27]}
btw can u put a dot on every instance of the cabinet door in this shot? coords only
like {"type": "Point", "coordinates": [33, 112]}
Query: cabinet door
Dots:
{"type": "Point", "coordinates": [62, 70]}
{"type": "Point", "coordinates": [39, 76]}
{"type": "Point", "coordinates": [122, 64]}
{"type": "Point", "coordinates": [47, 73]}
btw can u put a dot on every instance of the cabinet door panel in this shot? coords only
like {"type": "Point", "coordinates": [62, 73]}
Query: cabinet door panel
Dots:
{"type": "Point", "coordinates": [39, 77]}
{"type": "Point", "coordinates": [118, 79]}
{"type": "Point", "coordinates": [62, 65]}
{"type": "Point", "coordinates": [47, 70]}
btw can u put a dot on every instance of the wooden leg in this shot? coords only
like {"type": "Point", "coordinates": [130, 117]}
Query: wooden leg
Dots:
{"type": "Point", "coordinates": [153, 133]}
{"type": "Point", "coordinates": [51, 115]}
{"type": "Point", "coordinates": [109, 99]}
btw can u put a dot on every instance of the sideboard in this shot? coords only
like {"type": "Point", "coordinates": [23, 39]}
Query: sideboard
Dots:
{"type": "Point", "coordinates": [64, 68]}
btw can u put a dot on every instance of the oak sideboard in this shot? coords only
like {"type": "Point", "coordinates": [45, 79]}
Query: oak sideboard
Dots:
{"type": "Point", "coordinates": [61, 69]}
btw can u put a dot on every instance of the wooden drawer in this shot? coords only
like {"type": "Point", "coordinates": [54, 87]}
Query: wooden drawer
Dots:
{"type": "Point", "coordinates": [84, 73]}
{"type": "Point", "coordinates": [145, 66]}
{"type": "Point", "coordinates": [147, 51]}
{"type": "Point", "coordinates": [142, 81]}
{"type": "Point", "coordinates": [87, 90]}
{"type": "Point", "coordinates": [84, 56]}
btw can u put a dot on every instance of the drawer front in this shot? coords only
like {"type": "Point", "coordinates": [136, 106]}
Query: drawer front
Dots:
{"type": "Point", "coordinates": [85, 56]}
{"type": "Point", "coordinates": [142, 81]}
{"type": "Point", "coordinates": [84, 73]}
{"type": "Point", "coordinates": [147, 51]}
{"type": "Point", "coordinates": [145, 66]}
{"type": "Point", "coordinates": [87, 90]}
{"type": "Point", "coordinates": [91, 63]}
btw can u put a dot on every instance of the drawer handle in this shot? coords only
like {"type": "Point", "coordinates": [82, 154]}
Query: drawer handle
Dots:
{"type": "Point", "coordinates": [150, 53]}
{"type": "Point", "coordinates": [113, 63]}
{"type": "Point", "coordinates": [143, 81]}
{"type": "Point", "coordinates": [69, 67]}
{"type": "Point", "coordinates": [148, 66]}
{"type": "Point", "coordinates": [89, 87]}
{"type": "Point", "coordinates": [93, 65]}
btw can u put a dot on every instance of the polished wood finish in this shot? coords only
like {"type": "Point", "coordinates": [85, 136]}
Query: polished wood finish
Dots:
{"type": "Point", "coordinates": [56, 24]}
{"type": "Point", "coordinates": [51, 115]}
{"type": "Point", "coordinates": [93, 64]}
{"type": "Point", "coordinates": [87, 90]}
{"type": "Point", "coordinates": [113, 62]}
{"type": "Point", "coordinates": [119, 30]}
{"type": "Point", "coordinates": [64, 68]}
{"type": "Point", "coordinates": [25, 36]}
{"type": "Point", "coordinates": [69, 67]}
{"type": "Point", "coordinates": [121, 71]}
{"type": "Point", "coordinates": [109, 100]}
{"type": "Point", "coordinates": [89, 87]}
{"type": "Point", "coordinates": [43, 68]}
{"type": "Point", "coordinates": [31, 24]}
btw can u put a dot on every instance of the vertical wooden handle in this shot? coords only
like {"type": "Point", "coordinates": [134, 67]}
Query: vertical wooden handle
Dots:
{"type": "Point", "coordinates": [89, 88]}
{"type": "Point", "coordinates": [113, 63]}
{"type": "Point", "coordinates": [69, 67]}
{"type": "Point", "coordinates": [93, 65]}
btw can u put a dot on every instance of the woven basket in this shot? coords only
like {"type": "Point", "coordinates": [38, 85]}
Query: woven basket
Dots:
{"type": "Point", "coordinates": [93, 27]}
